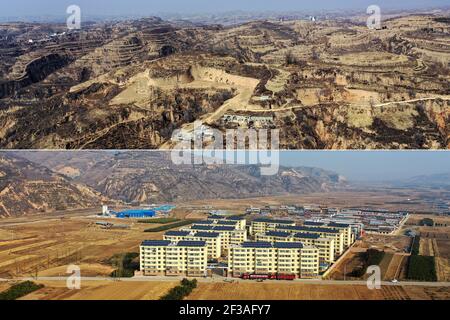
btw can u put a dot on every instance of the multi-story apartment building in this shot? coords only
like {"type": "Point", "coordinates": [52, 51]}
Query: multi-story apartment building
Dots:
{"type": "Point", "coordinates": [336, 235]}
{"type": "Point", "coordinates": [218, 223]}
{"type": "Point", "coordinates": [274, 236]}
{"type": "Point", "coordinates": [213, 240]}
{"type": "Point", "coordinates": [175, 236]}
{"type": "Point", "coordinates": [239, 220]}
{"type": "Point", "coordinates": [228, 235]}
{"type": "Point", "coordinates": [163, 257]}
{"type": "Point", "coordinates": [262, 225]}
{"type": "Point", "coordinates": [291, 258]}
{"type": "Point", "coordinates": [326, 252]}
{"type": "Point", "coordinates": [349, 237]}
{"type": "Point", "coordinates": [325, 245]}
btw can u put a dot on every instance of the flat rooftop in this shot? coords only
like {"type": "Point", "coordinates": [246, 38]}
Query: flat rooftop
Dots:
{"type": "Point", "coordinates": [155, 243]}
{"type": "Point", "coordinates": [207, 234]}
{"type": "Point", "coordinates": [278, 221]}
{"type": "Point", "coordinates": [279, 234]}
{"type": "Point", "coordinates": [186, 243]}
{"type": "Point", "coordinates": [177, 233]}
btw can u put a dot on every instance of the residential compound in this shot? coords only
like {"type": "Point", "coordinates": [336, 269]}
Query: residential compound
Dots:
{"type": "Point", "coordinates": [278, 247]}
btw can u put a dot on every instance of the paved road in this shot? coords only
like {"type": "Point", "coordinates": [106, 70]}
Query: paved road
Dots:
{"type": "Point", "coordinates": [220, 280]}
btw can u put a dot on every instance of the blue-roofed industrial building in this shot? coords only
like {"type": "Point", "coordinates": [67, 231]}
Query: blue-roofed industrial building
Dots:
{"type": "Point", "coordinates": [136, 213]}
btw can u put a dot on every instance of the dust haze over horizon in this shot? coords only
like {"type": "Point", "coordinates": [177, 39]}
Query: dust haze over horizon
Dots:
{"type": "Point", "coordinates": [20, 8]}
{"type": "Point", "coordinates": [372, 166]}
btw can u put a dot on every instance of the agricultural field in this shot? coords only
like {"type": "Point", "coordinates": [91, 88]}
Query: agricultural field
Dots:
{"type": "Point", "coordinates": [102, 290]}
{"type": "Point", "coordinates": [393, 263]}
{"type": "Point", "coordinates": [273, 291]}
{"type": "Point", "coordinates": [434, 241]}
{"type": "Point", "coordinates": [390, 199]}
{"type": "Point", "coordinates": [44, 247]}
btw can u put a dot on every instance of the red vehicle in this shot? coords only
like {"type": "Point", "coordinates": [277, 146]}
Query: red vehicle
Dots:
{"type": "Point", "coordinates": [247, 276]}
{"type": "Point", "coordinates": [286, 277]}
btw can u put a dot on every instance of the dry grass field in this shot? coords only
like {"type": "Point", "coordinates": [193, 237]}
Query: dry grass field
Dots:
{"type": "Point", "coordinates": [46, 246]}
{"type": "Point", "coordinates": [434, 241]}
{"type": "Point", "coordinates": [390, 199]}
{"type": "Point", "coordinates": [102, 290]}
{"type": "Point", "coordinates": [273, 291]}
{"type": "Point", "coordinates": [109, 290]}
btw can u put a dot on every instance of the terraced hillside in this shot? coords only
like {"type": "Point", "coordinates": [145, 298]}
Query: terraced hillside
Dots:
{"type": "Point", "coordinates": [332, 84]}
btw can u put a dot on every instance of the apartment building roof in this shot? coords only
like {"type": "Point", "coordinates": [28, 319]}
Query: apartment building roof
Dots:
{"type": "Point", "coordinates": [308, 229]}
{"type": "Point", "coordinates": [201, 227]}
{"type": "Point", "coordinates": [212, 228]}
{"type": "Point", "coordinates": [338, 224]}
{"type": "Point", "coordinates": [223, 228]}
{"type": "Point", "coordinates": [259, 244]}
{"type": "Point", "coordinates": [278, 234]}
{"type": "Point", "coordinates": [236, 218]}
{"type": "Point", "coordinates": [207, 234]}
{"type": "Point", "coordinates": [177, 233]}
{"type": "Point", "coordinates": [278, 245]}
{"type": "Point", "coordinates": [231, 218]}
{"type": "Point", "coordinates": [313, 223]}
{"type": "Point", "coordinates": [229, 223]}
{"type": "Point", "coordinates": [206, 222]}
{"type": "Point", "coordinates": [267, 220]}
{"type": "Point", "coordinates": [155, 243]}
{"type": "Point", "coordinates": [288, 245]}
{"type": "Point", "coordinates": [188, 243]}
{"type": "Point", "coordinates": [306, 235]}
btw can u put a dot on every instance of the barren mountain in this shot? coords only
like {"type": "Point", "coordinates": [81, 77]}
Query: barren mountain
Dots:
{"type": "Point", "coordinates": [151, 177]}
{"type": "Point", "coordinates": [433, 181]}
{"type": "Point", "coordinates": [26, 187]}
{"type": "Point", "coordinates": [331, 84]}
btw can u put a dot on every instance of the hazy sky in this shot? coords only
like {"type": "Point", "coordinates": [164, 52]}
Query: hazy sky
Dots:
{"type": "Point", "coordinates": [380, 165]}
{"type": "Point", "coordinates": [144, 7]}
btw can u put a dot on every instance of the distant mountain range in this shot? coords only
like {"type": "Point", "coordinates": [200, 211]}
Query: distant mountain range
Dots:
{"type": "Point", "coordinates": [27, 187]}
{"type": "Point", "coordinates": [426, 181]}
{"type": "Point", "coordinates": [85, 179]}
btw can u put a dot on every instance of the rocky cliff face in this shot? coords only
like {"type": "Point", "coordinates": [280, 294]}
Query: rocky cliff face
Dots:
{"type": "Point", "coordinates": [420, 125]}
{"type": "Point", "coordinates": [28, 188]}
{"type": "Point", "coordinates": [36, 71]}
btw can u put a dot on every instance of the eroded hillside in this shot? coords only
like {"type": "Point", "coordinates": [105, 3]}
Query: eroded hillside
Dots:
{"type": "Point", "coordinates": [326, 85]}
{"type": "Point", "coordinates": [26, 187]}
{"type": "Point", "coordinates": [151, 177]}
